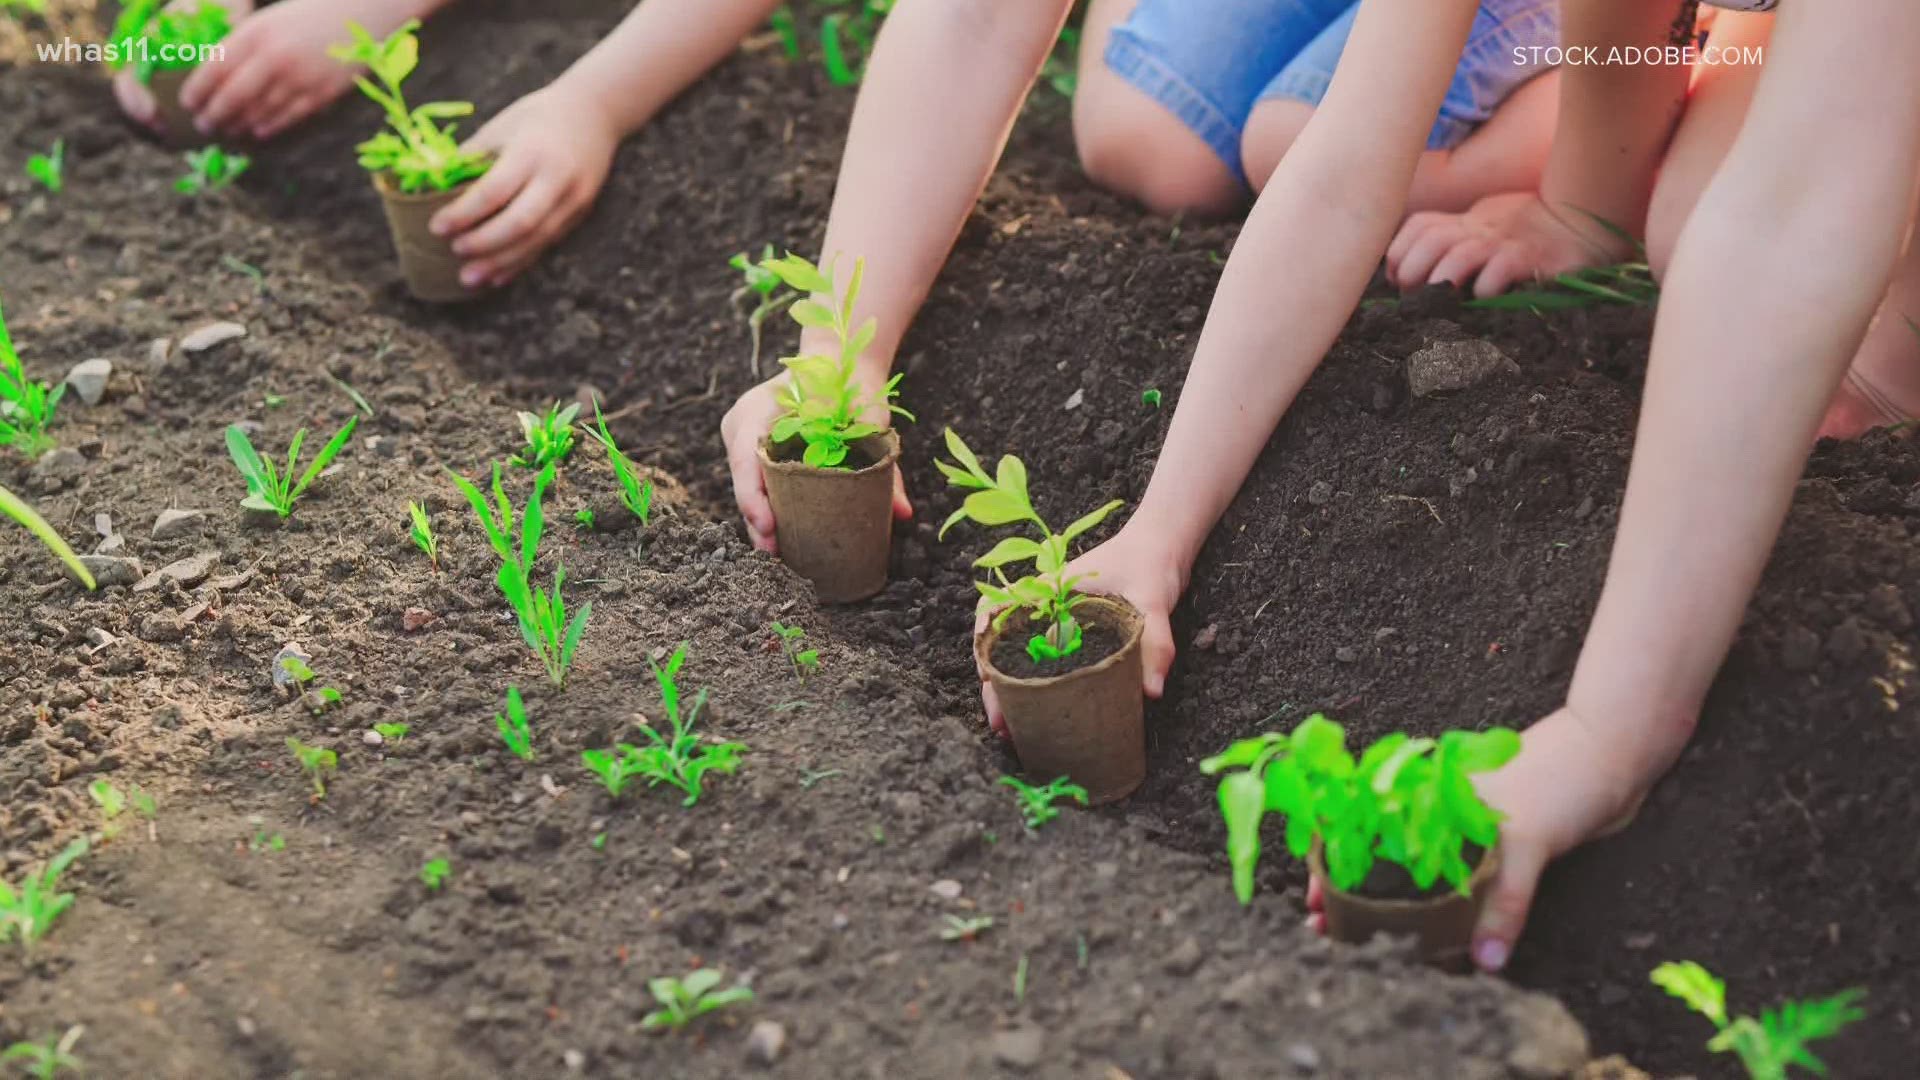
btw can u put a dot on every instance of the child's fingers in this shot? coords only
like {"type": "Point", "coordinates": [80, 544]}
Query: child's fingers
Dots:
{"type": "Point", "coordinates": [1416, 269]}
{"type": "Point", "coordinates": [1505, 914]}
{"type": "Point", "coordinates": [1410, 233]}
{"type": "Point", "coordinates": [135, 100]}
{"type": "Point", "coordinates": [1504, 270]}
{"type": "Point", "coordinates": [291, 113]}
{"type": "Point", "coordinates": [750, 491]}
{"type": "Point", "coordinates": [495, 189]}
{"type": "Point", "coordinates": [268, 105]}
{"type": "Point", "coordinates": [1316, 894]}
{"type": "Point", "coordinates": [1458, 266]}
{"type": "Point", "coordinates": [996, 717]}
{"type": "Point", "coordinates": [231, 101]}
{"type": "Point", "coordinates": [1156, 654]}
{"type": "Point", "coordinates": [202, 83]}
{"type": "Point", "coordinates": [902, 506]}
{"type": "Point", "coordinates": [537, 204]}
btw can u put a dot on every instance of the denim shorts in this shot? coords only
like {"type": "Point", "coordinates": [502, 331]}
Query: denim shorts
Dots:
{"type": "Point", "coordinates": [1211, 61]}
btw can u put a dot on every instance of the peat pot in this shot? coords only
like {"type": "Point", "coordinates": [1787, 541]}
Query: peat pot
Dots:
{"type": "Point", "coordinates": [834, 526]}
{"type": "Point", "coordinates": [176, 123]}
{"type": "Point", "coordinates": [1441, 921]}
{"type": "Point", "coordinates": [427, 262]}
{"type": "Point", "coordinates": [1088, 724]}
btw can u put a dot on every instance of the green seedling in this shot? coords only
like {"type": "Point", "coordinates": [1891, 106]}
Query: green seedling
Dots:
{"type": "Point", "coordinates": [811, 777]}
{"type": "Point", "coordinates": [542, 614]}
{"type": "Point", "coordinates": [259, 278]}
{"type": "Point", "coordinates": [28, 911]}
{"type": "Point", "coordinates": [11, 506]}
{"type": "Point", "coordinates": [769, 294]}
{"type": "Point", "coordinates": [359, 399]}
{"type": "Point", "coordinates": [1062, 67]}
{"type": "Point", "coordinates": [805, 661]}
{"type": "Point", "coordinates": [1627, 284]}
{"type": "Point", "coordinates": [967, 929]}
{"type": "Point", "coordinates": [680, 759]}
{"type": "Point", "coordinates": [1408, 801]}
{"type": "Point", "coordinates": [856, 27]}
{"type": "Point", "coordinates": [1776, 1041]}
{"type": "Point", "coordinates": [583, 517]}
{"type": "Point", "coordinates": [26, 407]}
{"type": "Point", "coordinates": [144, 804]}
{"type": "Point", "coordinates": [434, 874]}
{"type": "Point", "coordinates": [549, 437]}
{"type": "Point", "coordinates": [513, 726]}
{"type": "Point", "coordinates": [1050, 594]}
{"type": "Point", "coordinates": [152, 35]}
{"type": "Point", "coordinates": [47, 1060]}
{"type": "Point", "coordinates": [262, 842]}
{"type": "Point", "coordinates": [392, 732]}
{"type": "Point", "coordinates": [112, 803]}
{"type": "Point", "coordinates": [821, 400]}
{"type": "Point", "coordinates": [210, 169]}
{"type": "Point", "coordinates": [317, 762]}
{"type": "Point", "coordinates": [1036, 803]}
{"type": "Point", "coordinates": [49, 170]}
{"type": "Point", "coordinates": [1150, 398]}
{"type": "Point", "coordinates": [318, 700]}
{"type": "Point", "coordinates": [1020, 981]}
{"type": "Point", "coordinates": [421, 151]}
{"type": "Point", "coordinates": [682, 1001]}
{"type": "Point", "coordinates": [498, 520]}
{"type": "Point", "coordinates": [599, 841]}
{"type": "Point", "coordinates": [636, 494]}
{"type": "Point", "coordinates": [421, 533]}
{"type": "Point", "coordinates": [270, 489]}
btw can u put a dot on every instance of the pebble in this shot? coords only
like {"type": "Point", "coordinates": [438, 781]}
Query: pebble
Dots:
{"type": "Point", "coordinates": [57, 468]}
{"type": "Point", "coordinates": [1185, 958]}
{"type": "Point", "coordinates": [1204, 640]}
{"type": "Point", "coordinates": [188, 572]}
{"type": "Point", "coordinates": [372, 737]}
{"type": "Point", "coordinates": [765, 1041]}
{"type": "Point", "coordinates": [1241, 992]}
{"type": "Point", "coordinates": [89, 379]}
{"type": "Point", "coordinates": [1019, 1048]}
{"type": "Point", "coordinates": [206, 337]}
{"type": "Point", "coordinates": [574, 1060]}
{"type": "Point", "coordinates": [1076, 400]}
{"type": "Point", "coordinates": [174, 523]}
{"type": "Point", "coordinates": [946, 889]}
{"type": "Point", "coordinates": [112, 569]}
{"type": "Point", "coordinates": [157, 351]}
{"type": "Point", "coordinates": [414, 618]}
{"type": "Point", "coordinates": [1347, 654]}
{"type": "Point", "coordinates": [1304, 1058]}
{"type": "Point", "coordinates": [1456, 365]}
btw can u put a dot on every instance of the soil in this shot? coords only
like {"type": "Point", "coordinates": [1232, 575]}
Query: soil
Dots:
{"type": "Point", "coordinates": [1401, 563]}
{"type": "Point", "coordinates": [1390, 881]}
{"type": "Point", "coordinates": [1097, 642]}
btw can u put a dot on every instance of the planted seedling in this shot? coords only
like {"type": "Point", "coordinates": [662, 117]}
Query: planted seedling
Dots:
{"type": "Point", "coordinates": [513, 727]}
{"type": "Point", "coordinates": [151, 35]}
{"type": "Point", "coordinates": [680, 759]}
{"type": "Point", "coordinates": [270, 489]}
{"type": "Point", "coordinates": [684, 1000]}
{"type": "Point", "coordinates": [822, 401]}
{"type": "Point", "coordinates": [20, 512]}
{"type": "Point", "coordinates": [1036, 803]}
{"type": "Point", "coordinates": [1150, 397]}
{"type": "Point", "coordinates": [392, 733]}
{"type": "Point", "coordinates": [112, 803]}
{"type": "Point", "coordinates": [1049, 595]}
{"type": "Point", "coordinates": [1408, 801]}
{"type": "Point", "coordinates": [263, 842]}
{"type": "Point", "coordinates": [805, 661]}
{"type": "Point", "coordinates": [317, 762]}
{"type": "Point", "coordinates": [49, 170]}
{"type": "Point", "coordinates": [497, 517]}
{"type": "Point", "coordinates": [549, 436]}
{"type": "Point", "coordinates": [26, 407]}
{"type": "Point", "coordinates": [319, 700]}
{"type": "Point", "coordinates": [636, 494]}
{"type": "Point", "coordinates": [28, 911]}
{"type": "Point", "coordinates": [965, 929]}
{"type": "Point", "coordinates": [762, 286]}
{"type": "Point", "coordinates": [422, 534]}
{"type": "Point", "coordinates": [47, 1060]}
{"type": "Point", "coordinates": [210, 169]}
{"type": "Point", "coordinates": [434, 874]}
{"type": "Point", "coordinates": [1774, 1042]}
{"type": "Point", "coordinates": [419, 151]}
{"type": "Point", "coordinates": [542, 613]}
{"type": "Point", "coordinates": [583, 518]}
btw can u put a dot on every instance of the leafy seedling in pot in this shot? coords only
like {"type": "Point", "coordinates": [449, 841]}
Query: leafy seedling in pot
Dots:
{"type": "Point", "coordinates": [1049, 595]}
{"type": "Point", "coordinates": [682, 1001]}
{"type": "Point", "coordinates": [636, 494]}
{"type": "Point", "coordinates": [805, 661]}
{"type": "Point", "coordinates": [513, 726]}
{"type": "Point", "coordinates": [822, 401]}
{"type": "Point", "coordinates": [11, 506]}
{"type": "Point", "coordinates": [26, 407]}
{"type": "Point", "coordinates": [549, 436]}
{"type": "Point", "coordinates": [769, 293]}
{"type": "Point", "coordinates": [47, 1060]}
{"type": "Point", "coordinates": [317, 762]}
{"type": "Point", "coordinates": [420, 152]}
{"type": "Point", "coordinates": [152, 35]}
{"type": "Point", "coordinates": [270, 489]}
{"type": "Point", "coordinates": [319, 700]}
{"type": "Point", "coordinates": [1036, 803]}
{"type": "Point", "coordinates": [49, 170]}
{"type": "Point", "coordinates": [210, 169]}
{"type": "Point", "coordinates": [1776, 1041]}
{"type": "Point", "coordinates": [28, 911]}
{"type": "Point", "coordinates": [680, 759]}
{"type": "Point", "coordinates": [967, 929]}
{"type": "Point", "coordinates": [421, 533]}
{"type": "Point", "coordinates": [435, 873]}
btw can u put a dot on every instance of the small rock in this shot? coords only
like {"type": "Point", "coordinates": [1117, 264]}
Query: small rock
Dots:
{"type": "Point", "coordinates": [1456, 365]}
{"type": "Point", "coordinates": [1203, 641]}
{"type": "Point", "coordinates": [281, 677]}
{"type": "Point", "coordinates": [247, 1027]}
{"type": "Point", "coordinates": [372, 737]}
{"type": "Point", "coordinates": [1347, 654]}
{"type": "Point", "coordinates": [1584, 510]}
{"type": "Point", "coordinates": [157, 351]}
{"type": "Point", "coordinates": [172, 523]}
{"type": "Point", "coordinates": [574, 1060]}
{"type": "Point", "coordinates": [110, 545]}
{"type": "Point", "coordinates": [765, 1041]}
{"type": "Point", "coordinates": [112, 569]}
{"type": "Point", "coordinates": [57, 468]}
{"type": "Point", "coordinates": [946, 889]}
{"type": "Point", "coordinates": [1320, 494]}
{"type": "Point", "coordinates": [839, 921]}
{"type": "Point", "coordinates": [1020, 1048]}
{"type": "Point", "coordinates": [1242, 991]}
{"type": "Point", "coordinates": [99, 638]}
{"type": "Point", "coordinates": [206, 337]}
{"type": "Point", "coordinates": [1185, 958]}
{"type": "Point", "coordinates": [1304, 1058]}
{"type": "Point", "coordinates": [188, 572]}
{"type": "Point", "coordinates": [414, 618]}
{"type": "Point", "coordinates": [89, 379]}
{"type": "Point", "coordinates": [1076, 399]}
{"type": "Point", "coordinates": [159, 627]}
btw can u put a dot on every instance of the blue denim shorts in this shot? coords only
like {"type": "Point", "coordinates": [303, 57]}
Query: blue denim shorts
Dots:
{"type": "Point", "coordinates": [1211, 61]}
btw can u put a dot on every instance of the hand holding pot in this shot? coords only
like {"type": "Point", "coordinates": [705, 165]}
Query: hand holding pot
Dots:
{"type": "Point", "coordinates": [1504, 240]}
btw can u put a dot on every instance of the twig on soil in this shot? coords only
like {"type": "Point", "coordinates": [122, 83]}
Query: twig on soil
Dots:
{"type": "Point", "coordinates": [1416, 499]}
{"type": "Point", "coordinates": [713, 386]}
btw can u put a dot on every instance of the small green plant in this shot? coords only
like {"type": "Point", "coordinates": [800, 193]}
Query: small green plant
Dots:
{"type": "Point", "coordinates": [318, 700]}
{"type": "Point", "coordinates": [26, 407]}
{"type": "Point", "coordinates": [822, 401]}
{"type": "Point", "coordinates": [1408, 801]}
{"type": "Point", "coordinates": [1020, 981]}
{"type": "Point", "coordinates": [636, 494]}
{"type": "Point", "coordinates": [680, 759]}
{"type": "Point", "coordinates": [11, 506]}
{"type": "Point", "coordinates": [1150, 397]}
{"type": "Point", "coordinates": [1036, 803]}
{"type": "Point", "coordinates": [769, 294]}
{"type": "Point", "coordinates": [392, 732]}
{"type": "Point", "coordinates": [1050, 594]}
{"type": "Point", "coordinates": [419, 152]}
{"type": "Point", "coordinates": [49, 170]}
{"type": "Point", "coordinates": [263, 842]}
{"type": "Point", "coordinates": [583, 517]}
{"type": "Point", "coordinates": [513, 726]}
{"type": "Point", "coordinates": [151, 35]}
{"type": "Point", "coordinates": [434, 874]}
{"type": "Point", "coordinates": [1777, 1040]}
{"type": "Point", "coordinates": [28, 911]}
{"type": "Point", "coordinates": [497, 518]}
{"type": "Point", "coordinates": [805, 661]}
{"type": "Point", "coordinates": [210, 169]}
{"type": "Point", "coordinates": [421, 532]}
{"type": "Point", "coordinates": [47, 1060]}
{"type": "Point", "coordinates": [810, 777]}
{"type": "Point", "coordinates": [549, 436]}
{"type": "Point", "coordinates": [1062, 67]}
{"type": "Point", "coordinates": [684, 1000]}
{"type": "Point", "coordinates": [112, 803]}
{"type": "Point", "coordinates": [270, 489]}
{"type": "Point", "coordinates": [144, 804]}
{"type": "Point", "coordinates": [967, 929]}
{"type": "Point", "coordinates": [542, 614]}
{"type": "Point", "coordinates": [317, 762]}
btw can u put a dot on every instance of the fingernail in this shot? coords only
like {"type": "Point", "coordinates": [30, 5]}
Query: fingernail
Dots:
{"type": "Point", "coordinates": [1490, 954]}
{"type": "Point", "coordinates": [204, 127]}
{"type": "Point", "coordinates": [438, 227]}
{"type": "Point", "coordinates": [471, 278]}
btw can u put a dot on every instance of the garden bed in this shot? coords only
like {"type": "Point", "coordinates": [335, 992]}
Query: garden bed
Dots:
{"type": "Point", "coordinates": [1404, 563]}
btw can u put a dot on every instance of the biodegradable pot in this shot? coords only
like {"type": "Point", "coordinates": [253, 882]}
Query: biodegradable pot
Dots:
{"type": "Point", "coordinates": [1089, 724]}
{"type": "Point", "coordinates": [1442, 922]}
{"type": "Point", "coordinates": [427, 262]}
{"type": "Point", "coordinates": [176, 123]}
{"type": "Point", "coordinates": [835, 526]}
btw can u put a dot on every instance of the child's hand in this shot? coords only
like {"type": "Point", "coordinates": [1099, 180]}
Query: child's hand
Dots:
{"type": "Point", "coordinates": [1504, 239]}
{"type": "Point", "coordinates": [552, 151]}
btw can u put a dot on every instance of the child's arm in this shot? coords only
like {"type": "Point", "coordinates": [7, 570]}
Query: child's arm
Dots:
{"type": "Point", "coordinates": [941, 93]}
{"type": "Point", "coordinates": [1615, 120]}
{"type": "Point", "coordinates": [555, 146]}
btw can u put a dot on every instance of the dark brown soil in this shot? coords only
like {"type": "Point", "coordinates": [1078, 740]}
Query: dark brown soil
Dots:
{"type": "Point", "coordinates": [1098, 641]}
{"type": "Point", "coordinates": [1401, 563]}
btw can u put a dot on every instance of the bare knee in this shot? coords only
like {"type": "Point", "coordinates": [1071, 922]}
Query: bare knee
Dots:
{"type": "Point", "coordinates": [1144, 153]}
{"type": "Point", "coordinates": [1271, 131]}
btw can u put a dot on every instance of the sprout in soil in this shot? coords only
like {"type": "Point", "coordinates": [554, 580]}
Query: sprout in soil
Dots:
{"type": "Point", "coordinates": [434, 874]}
{"type": "Point", "coordinates": [513, 726]}
{"type": "Point", "coordinates": [583, 518]}
{"type": "Point", "coordinates": [317, 762]}
{"type": "Point", "coordinates": [680, 759]}
{"type": "Point", "coordinates": [392, 733]}
{"type": "Point", "coordinates": [11, 506]}
{"type": "Point", "coordinates": [967, 929]}
{"type": "Point", "coordinates": [420, 152]}
{"type": "Point", "coordinates": [1036, 803]}
{"type": "Point", "coordinates": [152, 35]}
{"type": "Point", "coordinates": [542, 613]}
{"type": "Point", "coordinates": [27, 911]}
{"type": "Point", "coordinates": [49, 170]}
{"type": "Point", "coordinates": [421, 532]}
{"type": "Point", "coordinates": [317, 701]}
{"type": "Point", "coordinates": [112, 803]}
{"type": "Point", "coordinates": [270, 489]}
{"type": "Point", "coordinates": [769, 293]}
{"type": "Point", "coordinates": [805, 661]}
{"type": "Point", "coordinates": [549, 437]}
{"type": "Point", "coordinates": [210, 169]}
{"type": "Point", "coordinates": [1150, 397]}
{"type": "Point", "coordinates": [684, 1000]}
{"type": "Point", "coordinates": [1049, 595]}
{"type": "Point", "coordinates": [1408, 801]}
{"type": "Point", "coordinates": [497, 517]}
{"type": "Point", "coordinates": [1777, 1040]}
{"type": "Point", "coordinates": [46, 1060]}
{"type": "Point", "coordinates": [822, 401]}
{"type": "Point", "coordinates": [26, 407]}
{"type": "Point", "coordinates": [636, 494]}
